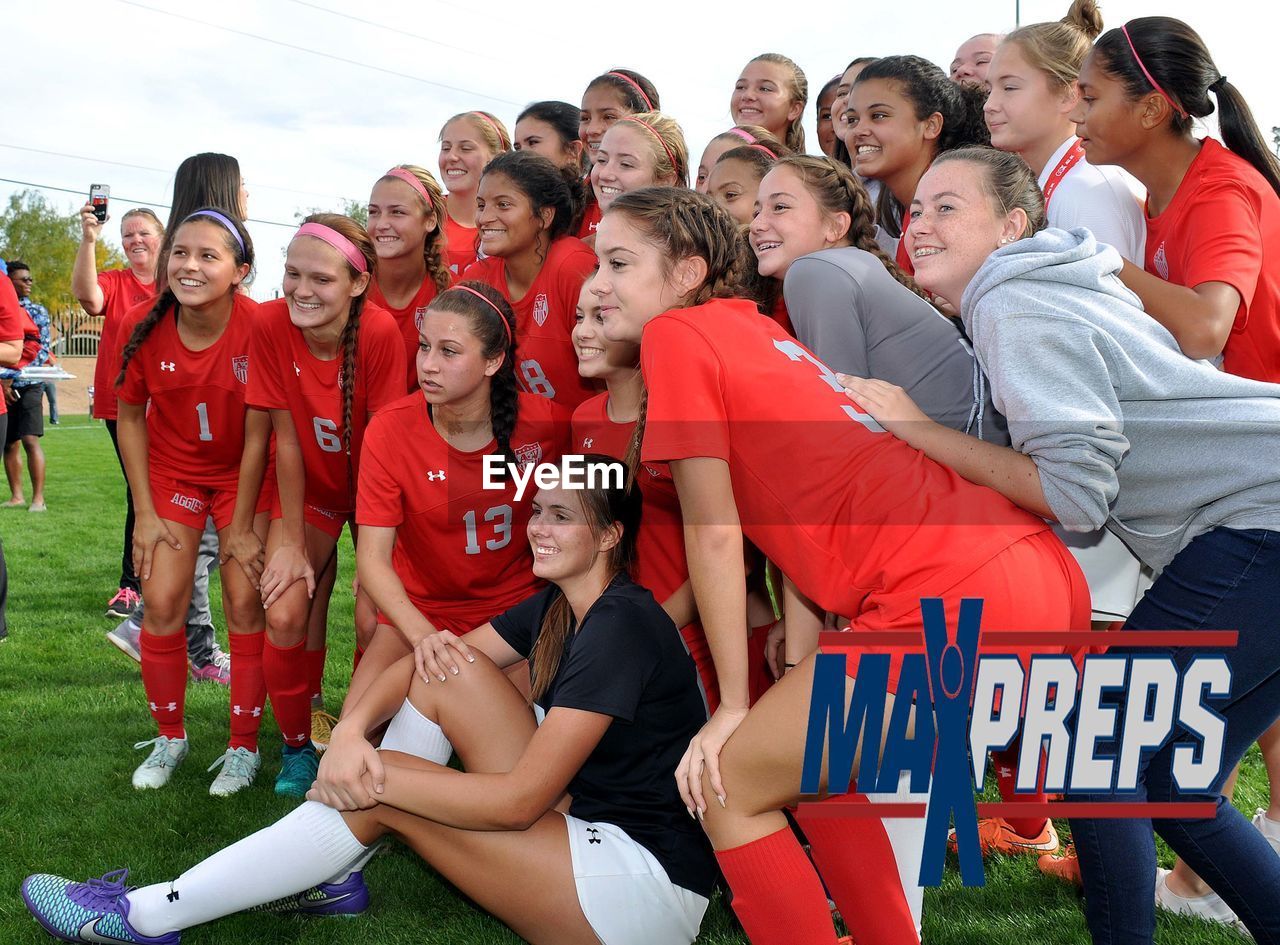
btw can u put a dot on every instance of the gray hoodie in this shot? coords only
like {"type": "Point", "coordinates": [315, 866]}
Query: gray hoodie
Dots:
{"type": "Point", "coordinates": [1124, 429]}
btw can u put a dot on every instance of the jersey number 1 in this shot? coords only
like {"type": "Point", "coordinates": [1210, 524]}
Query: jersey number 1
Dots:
{"type": "Point", "coordinates": [202, 411]}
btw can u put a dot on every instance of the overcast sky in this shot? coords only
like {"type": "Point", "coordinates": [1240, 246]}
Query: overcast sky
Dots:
{"type": "Point", "coordinates": [145, 83]}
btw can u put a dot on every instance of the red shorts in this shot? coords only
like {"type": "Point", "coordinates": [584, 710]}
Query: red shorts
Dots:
{"type": "Point", "coordinates": [759, 678]}
{"type": "Point", "coordinates": [189, 504]}
{"type": "Point", "coordinates": [1034, 584]}
{"type": "Point", "coordinates": [329, 521]}
{"type": "Point", "coordinates": [455, 625]}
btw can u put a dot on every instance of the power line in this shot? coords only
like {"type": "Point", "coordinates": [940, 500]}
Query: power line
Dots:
{"type": "Point", "coordinates": [136, 203]}
{"type": "Point", "coordinates": [158, 170]}
{"type": "Point", "coordinates": [323, 55]}
{"type": "Point", "coordinates": [390, 29]}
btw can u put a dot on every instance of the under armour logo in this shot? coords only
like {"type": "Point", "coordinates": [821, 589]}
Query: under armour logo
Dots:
{"type": "Point", "coordinates": [304, 737]}
{"type": "Point", "coordinates": [587, 442]}
{"type": "Point", "coordinates": [594, 838]}
{"type": "Point", "coordinates": [433, 476]}
{"type": "Point", "coordinates": [171, 707]}
{"type": "Point", "coordinates": [297, 371]}
{"type": "Point", "coordinates": [240, 710]}
{"type": "Point", "coordinates": [173, 895]}
{"type": "Point", "coordinates": [168, 366]}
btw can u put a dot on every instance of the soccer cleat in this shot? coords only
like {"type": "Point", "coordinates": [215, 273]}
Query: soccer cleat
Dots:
{"type": "Point", "coordinates": [1063, 865]}
{"type": "Point", "coordinates": [347, 898]}
{"type": "Point", "coordinates": [92, 911]}
{"type": "Point", "coordinates": [165, 757]}
{"type": "Point", "coordinates": [239, 768]}
{"type": "Point", "coordinates": [1268, 828]}
{"type": "Point", "coordinates": [996, 836]}
{"type": "Point", "coordinates": [298, 767]}
{"type": "Point", "coordinates": [1209, 906]}
{"type": "Point", "coordinates": [123, 603]}
{"type": "Point", "coordinates": [322, 724]}
{"type": "Point", "coordinates": [126, 638]}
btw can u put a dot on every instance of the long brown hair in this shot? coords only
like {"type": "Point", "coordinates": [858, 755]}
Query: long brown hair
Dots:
{"type": "Point", "coordinates": [433, 245]}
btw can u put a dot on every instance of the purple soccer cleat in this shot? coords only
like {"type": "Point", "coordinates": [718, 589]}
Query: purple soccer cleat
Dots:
{"type": "Point", "coordinates": [93, 911]}
{"type": "Point", "coordinates": [347, 898]}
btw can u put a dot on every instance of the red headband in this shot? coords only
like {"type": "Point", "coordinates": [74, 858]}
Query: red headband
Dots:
{"type": "Point", "coordinates": [763, 150]}
{"type": "Point", "coordinates": [654, 131]}
{"type": "Point", "coordinates": [494, 125]}
{"type": "Point", "coordinates": [1150, 78]}
{"type": "Point", "coordinates": [489, 303]}
{"type": "Point", "coordinates": [746, 136]}
{"type": "Point", "coordinates": [635, 85]}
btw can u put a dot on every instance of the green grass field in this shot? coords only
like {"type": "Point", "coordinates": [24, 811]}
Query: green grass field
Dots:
{"type": "Point", "coordinates": [71, 707]}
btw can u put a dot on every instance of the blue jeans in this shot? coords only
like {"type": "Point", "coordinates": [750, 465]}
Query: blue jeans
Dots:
{"type": "Point", "coordinates": [1226, 579]}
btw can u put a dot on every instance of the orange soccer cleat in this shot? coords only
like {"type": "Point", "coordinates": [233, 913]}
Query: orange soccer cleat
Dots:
{"type": "Point", "coordinates": [996, 836]}
{"type": "Point", "coordinates": [1064, 866]}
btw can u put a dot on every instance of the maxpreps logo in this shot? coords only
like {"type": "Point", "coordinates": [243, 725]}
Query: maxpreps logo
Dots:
{"type": "Point", "coordinates": [1093, 724]}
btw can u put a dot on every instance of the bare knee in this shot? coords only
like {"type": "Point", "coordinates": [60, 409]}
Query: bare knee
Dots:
{"type": "Point", "coordinates": [286, 622]}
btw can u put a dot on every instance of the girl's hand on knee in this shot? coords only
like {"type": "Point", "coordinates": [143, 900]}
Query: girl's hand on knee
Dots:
{"type": "Point", "coordinates": [148, 532]}
{"type": "Point", "coordinates": [703, 756]}
{"type": "Point", "coordinates": [287, 565]}
{"type": "Point", "coordinates": [436, 655]}
{"type": "Point", "coordinates": [247, 549]}
{"type": "Point", "coordinates": [351, 775]}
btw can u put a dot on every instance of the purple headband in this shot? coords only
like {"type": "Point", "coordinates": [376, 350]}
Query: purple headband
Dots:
{"type": "Point", "coordinates": [1150, 78]}
{"type": "Point", "coordinates": [225, 221]}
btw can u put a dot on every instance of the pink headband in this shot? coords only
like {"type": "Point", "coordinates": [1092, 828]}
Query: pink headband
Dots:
{"type": "Point", "coordinates": [746, 136]}
{"type": "Point", "coordinates": [635, 85]}
{"type": "Point", "coordinates": [763, 150]}
{"type": "Point", "coordinates": [1154, 84]}
{"type": "Point", "coordinates": [411, 179]}
{"type": "Point", "coordinates": [654, 131]}
{"type": "Point", "coordinates": [339, 242]}
{"type": "Point", "coordinates": [494, 125]}
{"type": "Point", "coordinates": [489, 303]}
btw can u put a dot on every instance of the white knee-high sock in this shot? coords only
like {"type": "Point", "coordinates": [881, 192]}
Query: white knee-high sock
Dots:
{"type": "Point", "coordinates": [414, 734]}
{"type": "Point", "coordinates": [298, 851]}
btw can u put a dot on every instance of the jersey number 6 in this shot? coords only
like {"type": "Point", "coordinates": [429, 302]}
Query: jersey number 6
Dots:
{"type": "Point", "coordinates": [327, 435]}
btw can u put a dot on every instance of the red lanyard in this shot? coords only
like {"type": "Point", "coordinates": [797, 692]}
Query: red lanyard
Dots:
{"type": "Point", "coordinates": [1074, 154]}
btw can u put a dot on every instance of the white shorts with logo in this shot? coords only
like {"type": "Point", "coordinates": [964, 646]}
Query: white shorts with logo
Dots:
{"type": "Point", "coordinates": [624, 891]}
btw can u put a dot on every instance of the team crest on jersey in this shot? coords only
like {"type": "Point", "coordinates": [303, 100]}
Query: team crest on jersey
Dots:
{"type": "Point", "coordinates": [541, 309]}
{"type": "Point", "coordinates": [240, 365]}
{"type": "Point", "coordinates": [420, 312]}
{"type": "Point", "coordinates": [528, 454]}
{"type": "Point", "coordinates": [587, 442]}
{"type": "Point", "coordinates": [1162, 262]}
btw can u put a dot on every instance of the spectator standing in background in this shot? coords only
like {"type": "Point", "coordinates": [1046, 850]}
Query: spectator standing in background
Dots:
{"type": "Point", "coordinates": [25, 398]}
{"type": "Point", "coordinates": [11, 320]}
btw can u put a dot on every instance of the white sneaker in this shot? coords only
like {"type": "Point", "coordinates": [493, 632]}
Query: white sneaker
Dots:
{"type": "Point", "coordinates": [156, 771]}
{"type": "Point", "coordinates": [1268, 828]}
{"type": "Point", "coordinates": [239, 768]}
{"type": "Point", "coordinates": [1209, 906]}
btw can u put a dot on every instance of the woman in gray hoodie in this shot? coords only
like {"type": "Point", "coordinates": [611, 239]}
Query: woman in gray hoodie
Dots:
{"type": "Point", "coordinates": [1112, 425]}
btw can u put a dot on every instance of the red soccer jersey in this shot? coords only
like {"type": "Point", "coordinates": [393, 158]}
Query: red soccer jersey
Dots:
{"type": "Point", "coordinates": [1223, 225]}
{"type": "Point", "coordinates": [846, 510]}
{"type": "Point", "coordinates": [13, 319]}
{"type": "Point", "coordinates": [546, 362]}
{"type": "Point", "coordinates": [902, 257]}
{"type": "Point", "coordinates": [460, 243]}
{"type": "Point", "coordinates": [461, 550]}
{"type": "Point", "coordinates": [590, 218]}
{"type": "Point", "coordinates": [287, 376]}
{"type": "Point", "coordinates": [660, 559]}
{"type": "Point", "coordinates": [195, 424]}
{"type": "Point", "coordinates": [780, 315]}
{"type": "Point", "coordinates": [121, 292]}
{"type": "Point", "coordinates": [409, 323]}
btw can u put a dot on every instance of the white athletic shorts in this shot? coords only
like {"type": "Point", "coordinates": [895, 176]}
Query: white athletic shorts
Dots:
{"type": "Point", "coordinates": [624, 891]}
{"type": "Point", "coordinates": [1117, 580]}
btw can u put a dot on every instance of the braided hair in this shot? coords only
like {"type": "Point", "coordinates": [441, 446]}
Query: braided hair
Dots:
{"type": "Point", "coordinates": [433, 245]}
{"type": "Point", "coordinates": [166, 300]}
{"type": "Point", "coordinates": [494, 324]}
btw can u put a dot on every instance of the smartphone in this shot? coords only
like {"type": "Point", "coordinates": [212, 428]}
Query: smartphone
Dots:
{"type": "Point", "coordinates": [98, 194]}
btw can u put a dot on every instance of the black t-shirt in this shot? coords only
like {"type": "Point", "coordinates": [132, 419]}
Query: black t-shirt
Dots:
{"type": "Point", "coordinates": [627, 661]}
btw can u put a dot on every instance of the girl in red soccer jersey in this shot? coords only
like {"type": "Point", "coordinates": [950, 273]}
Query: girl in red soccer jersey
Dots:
{"type": "Point", "coordinates": [735, 137]}
{"type": "Point", "coordinates": [644, 150]}
{"type": "Point", "coordinates": [525, 213]}
{"type": "Point", "coordinates": [610, 96]}
{"type": "Point", "coordinates": [111, 294]}
{"type": "Point", "coordinates": [1213, 214]}
{"type": "Point", "coordinates": [864, 526]}
{"type": "Point", "coordinates": [772, 92]}
{"type": "Point", "coordinates": [903, 111]}
{"type": "Point", "coordinates": [735, 179]}
{"type": "Point", "coordinates": [606, 424]}
{"type": "Point", "coordinates": [188, 356]}
{"type": "Point", "coordinates": [438, 549]}
{"type": "Point", "coordinates": [1033, 94]}
{"type": "Point", "coordinates": [468, 142]}
{"type": "Point", "coordinates": [407, 220]}
{"type": "Point", "coordinates": [551, 129]}
{"type": "Point", "coordinates": [324, 359]}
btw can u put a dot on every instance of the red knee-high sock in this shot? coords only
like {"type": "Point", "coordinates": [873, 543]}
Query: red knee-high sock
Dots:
{"type": "Point", "coordinates": [248, 689]}
{"type": "Point", "coordinates": [856, 861]}
{"type": "Point", "coordinates": [777, 895]}
{"type": "Point", "coordinates": [1006, 765]}
{"type": "Point", "coordinates": [315, 673]}
{"type": "Point", "coordinates": [164, 677]}
{"type": "Point", "coordinates": [286, 673]}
